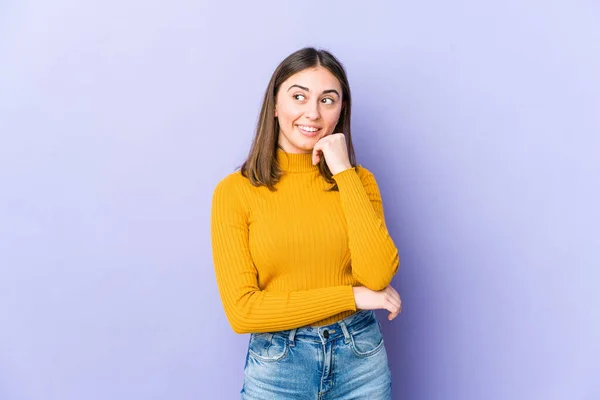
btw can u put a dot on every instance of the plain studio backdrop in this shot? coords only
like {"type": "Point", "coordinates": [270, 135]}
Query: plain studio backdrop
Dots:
{"type": "Point", "coordinates": [480, 121]}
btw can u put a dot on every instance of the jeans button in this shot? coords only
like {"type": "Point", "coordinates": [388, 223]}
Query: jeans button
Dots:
{"type": "Point", "coordinates": [325, 333]}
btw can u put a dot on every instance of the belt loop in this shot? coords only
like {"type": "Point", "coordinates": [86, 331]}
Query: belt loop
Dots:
{"type": "Point", "coordinates": [292, 336]}
{"type": "Point", "coordinates": [345, 330]}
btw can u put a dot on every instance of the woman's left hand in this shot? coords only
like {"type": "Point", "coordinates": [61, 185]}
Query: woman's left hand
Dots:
{"type": "Point", "coordinates": [333, 148]}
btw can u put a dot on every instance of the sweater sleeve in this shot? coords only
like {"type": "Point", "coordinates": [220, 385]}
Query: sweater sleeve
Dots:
{"type": "Point", "coordinates": [247, 307]}
{"type": "Point", "coordinates": [374, 256]}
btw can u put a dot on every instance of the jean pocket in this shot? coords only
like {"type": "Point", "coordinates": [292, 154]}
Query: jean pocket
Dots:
{"type": "Point", "coordinates": [368, 340]}
{"type": "Point", "coordinates": [268, 347]}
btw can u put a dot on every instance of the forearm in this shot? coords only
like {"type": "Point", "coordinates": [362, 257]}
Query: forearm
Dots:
{"type": "Point", "coordinates": [261, 311]}
{"type": "Point", "coordinates": [375, 258]}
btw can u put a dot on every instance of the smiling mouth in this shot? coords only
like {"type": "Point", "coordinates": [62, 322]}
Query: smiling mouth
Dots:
{"type": "Point", "coordinates": [308, 130]}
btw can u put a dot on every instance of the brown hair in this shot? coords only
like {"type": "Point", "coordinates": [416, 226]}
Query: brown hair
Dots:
{"type": "Point", "coordinates": [261, 167]}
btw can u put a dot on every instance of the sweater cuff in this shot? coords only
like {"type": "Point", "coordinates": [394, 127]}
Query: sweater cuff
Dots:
{"type": "Point", "coordinates": [351, 305]}
{"type": "Point", "coordinates": [350, 180]}
{"type": "Point", "coordinates": [345, 174]}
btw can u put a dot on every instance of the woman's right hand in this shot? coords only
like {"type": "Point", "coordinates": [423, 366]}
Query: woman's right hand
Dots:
{"type": "Point", "coordinates": [386, 299]}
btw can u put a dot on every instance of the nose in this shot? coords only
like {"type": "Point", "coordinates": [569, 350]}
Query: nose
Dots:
{"type": "Point", "coordinates": [312, 111]}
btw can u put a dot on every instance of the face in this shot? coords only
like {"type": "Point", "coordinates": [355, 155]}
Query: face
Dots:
{"type": "Point", "coordinates": [308, 106]}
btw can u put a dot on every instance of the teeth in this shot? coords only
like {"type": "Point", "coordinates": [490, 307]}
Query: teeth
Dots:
{"type": "Point", "coordinates": [307, 128]}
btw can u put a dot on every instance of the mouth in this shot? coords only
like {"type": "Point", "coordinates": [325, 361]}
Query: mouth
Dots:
{"type": "Point", "coordinates": [307, 130]}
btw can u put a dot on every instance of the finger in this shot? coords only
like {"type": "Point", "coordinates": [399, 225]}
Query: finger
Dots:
{"type": "Point", "coordinates": [391, 289]}
{"type": "Point", "coordinates": [399, 309]}
{"type": "Point", "coordinates": [397, 306]}
{"type": "Point", "coordinates": [392, 292]}
{"type": "Point", "coordinates": [395, 314]}
{"type": "Point", "coordinates": [392, 308]}
{"type": "Point", "coordinates": [389, 302]}
{"type": "Point", "coordinates": [316, 154]}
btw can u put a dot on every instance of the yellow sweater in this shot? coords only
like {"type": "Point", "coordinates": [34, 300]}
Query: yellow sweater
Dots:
{"type": "Point", "coordinates": [289, 258]}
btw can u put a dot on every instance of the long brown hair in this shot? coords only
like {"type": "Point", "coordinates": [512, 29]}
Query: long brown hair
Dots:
{"type": "Point", "coordinates": [261, 167]}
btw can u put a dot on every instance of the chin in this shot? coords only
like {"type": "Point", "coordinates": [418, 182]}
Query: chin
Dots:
{"type": "Point", "coordinates": [306, 147]}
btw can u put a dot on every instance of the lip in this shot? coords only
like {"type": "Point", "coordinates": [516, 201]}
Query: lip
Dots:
{"type": "Point", "coordinates": [308, 134]}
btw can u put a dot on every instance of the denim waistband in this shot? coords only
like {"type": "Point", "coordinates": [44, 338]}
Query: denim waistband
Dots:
{"type": "Point", "coordinates": [334, 331]}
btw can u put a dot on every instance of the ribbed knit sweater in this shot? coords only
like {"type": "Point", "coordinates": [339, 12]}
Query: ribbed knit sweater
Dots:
{"type": "Point", "coordinates": [290, 258]}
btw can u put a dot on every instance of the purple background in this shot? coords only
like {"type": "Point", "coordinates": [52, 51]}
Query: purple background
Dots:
{"type": "Point", "coordinates": [480, 121]}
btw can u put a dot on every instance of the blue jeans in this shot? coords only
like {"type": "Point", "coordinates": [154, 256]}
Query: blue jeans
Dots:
{"type": "Point", "coordinates": [344, 360]}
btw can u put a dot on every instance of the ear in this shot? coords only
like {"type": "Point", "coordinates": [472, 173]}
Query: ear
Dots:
{"type": "Point", "coordinates": [275, 111]}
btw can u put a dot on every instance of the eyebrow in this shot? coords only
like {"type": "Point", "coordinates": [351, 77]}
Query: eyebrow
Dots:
{"type": "Point", "coordinates": [308, 90]}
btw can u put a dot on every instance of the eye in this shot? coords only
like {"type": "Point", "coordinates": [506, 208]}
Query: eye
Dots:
{"type": "Point", "coordinates": [299, 96]}
{"type": "Point", "coordinates": [328, 100]}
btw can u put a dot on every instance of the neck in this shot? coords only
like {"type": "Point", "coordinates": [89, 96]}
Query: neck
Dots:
{"type": "Point", "coordinates": [295, 162]}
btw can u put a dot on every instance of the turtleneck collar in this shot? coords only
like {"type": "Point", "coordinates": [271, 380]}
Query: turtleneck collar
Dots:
{"type": "Point", "coordinates": [292, 162]}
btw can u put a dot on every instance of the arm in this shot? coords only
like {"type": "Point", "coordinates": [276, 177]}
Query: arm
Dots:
{"type": "Point", "coordinates": [374, 256]}
{"type": "Point", "coordinates": [248, 308]}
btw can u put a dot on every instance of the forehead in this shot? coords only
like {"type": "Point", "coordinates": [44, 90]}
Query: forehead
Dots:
{"type": "Point", "coordinates": [315, 78]}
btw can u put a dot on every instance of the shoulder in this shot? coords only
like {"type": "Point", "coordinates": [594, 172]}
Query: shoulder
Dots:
{"type": "Point", "coordinates": [231, 185]}
{"type": "Point", "coordinates": [230, 195]}
{"type": "Point", "coordinates": [230, 181]}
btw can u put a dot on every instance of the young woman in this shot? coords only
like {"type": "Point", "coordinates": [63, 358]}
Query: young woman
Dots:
{"type": "Point", "coordinates": [301, 251]}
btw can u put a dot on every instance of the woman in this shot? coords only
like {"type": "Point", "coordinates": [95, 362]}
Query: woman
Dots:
{"type": "Point", "coordinates": [301, 251]}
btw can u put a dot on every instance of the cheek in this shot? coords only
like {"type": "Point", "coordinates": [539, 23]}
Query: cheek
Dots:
{"type": "Point", "coordinates": [333, 117]}
{"type": "Point", "coordinates": [288, 113]}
